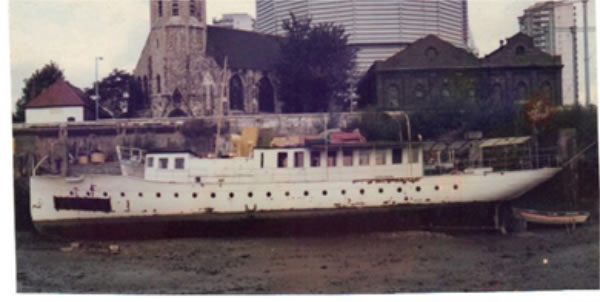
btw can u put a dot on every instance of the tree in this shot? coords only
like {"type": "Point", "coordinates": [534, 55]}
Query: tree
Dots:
{"type": "Point", "coordinates": [315, 66]}
{"type": "Point", "coordinates": [34, 85]}
{"type": "Point", "coordinates": [120, 95]}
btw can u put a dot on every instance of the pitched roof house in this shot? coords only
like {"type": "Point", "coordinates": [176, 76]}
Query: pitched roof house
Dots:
{"type": "Point", "coordinates": [60, 102]}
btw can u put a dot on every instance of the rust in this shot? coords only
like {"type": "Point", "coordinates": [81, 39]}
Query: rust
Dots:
{"type": "Point", "coordinates": [208, 210]}
{"type": "Point", "coordinates": [403, 180]}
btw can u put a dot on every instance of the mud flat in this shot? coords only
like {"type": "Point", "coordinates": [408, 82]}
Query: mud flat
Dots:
{"type": "Point", "coordinates": [368, 262]}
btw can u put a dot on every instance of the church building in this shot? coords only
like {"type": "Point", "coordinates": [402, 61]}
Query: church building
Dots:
{"type": "Point", "coordinates": [186, 65]}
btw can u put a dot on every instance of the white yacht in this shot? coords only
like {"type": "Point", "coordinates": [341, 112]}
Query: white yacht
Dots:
{"type": "Point", "coordinates": [307, 180]}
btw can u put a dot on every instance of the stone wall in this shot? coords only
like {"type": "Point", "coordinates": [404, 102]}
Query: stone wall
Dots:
{"type": "Point", "coordinates": [63, 142]}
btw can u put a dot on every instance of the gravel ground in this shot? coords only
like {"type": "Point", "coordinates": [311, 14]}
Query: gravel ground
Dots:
{"type": "Point", "coordinates": [368, 262]}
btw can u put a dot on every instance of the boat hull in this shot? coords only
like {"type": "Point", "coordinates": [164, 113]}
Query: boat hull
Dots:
{"type": "Point", "coordinates": [109, 197]}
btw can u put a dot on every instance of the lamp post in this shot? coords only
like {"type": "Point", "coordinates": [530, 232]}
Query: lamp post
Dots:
{"type": "Point", "coordinates": [586, 58]}
{"type": "Point", "coordinates": [96, 86]}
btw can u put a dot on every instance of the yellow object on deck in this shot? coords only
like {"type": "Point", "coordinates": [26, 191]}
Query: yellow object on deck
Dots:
{"type": "Point", "coordinates": [245, 143]}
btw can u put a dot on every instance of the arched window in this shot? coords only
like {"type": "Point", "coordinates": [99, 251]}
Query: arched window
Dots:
{"type": "Point", "coordinates": [236, 93]}
{"type": "Point", "coordinates": [419, 91]}
{"type": "Point", "coordinates": [547, 92]}
{"type": "Point", "coordinates": [175, 8]}
{"type": "Point", "coordinates": [177, 98]}
{"type": "Point", "coordinates": [522, 93]}
{"type": "Point", "coordinates": [445, 91]}
{"type": "Point", "coordinates": [496, 94]}
{"type": "Point", "coordinates": [160, 8]}
{"type": "Point", "coordinates": [266, 96]}
{"type": "Point", "coordinates": [158, 83]}
{"type": "Point", "coordinates": [393, 97]}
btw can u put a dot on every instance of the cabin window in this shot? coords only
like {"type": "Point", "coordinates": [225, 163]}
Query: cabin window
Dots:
{"type": "Point", "coordinates": [414, 156]}
{"type": "Point", "coordinates": [179, 163]}
{"type": "Point", "coordinates": [262, 160]}
{"type": "Point", "coordinates": [363, 157]}
{"type": "Point", "coordinates": [282, 159]}
{"type": "Point", "coordinates": [347, 154]}
{"type": "Point", "coordinates": [315, 159]}
{"type": "Point", "coordinates": [163, 163]}
{"type": "Point", "coordinates": [396, 156]}
{"type": "Point", "coordinates": [150, 162]}
{"type": "Point", "coordinates": [299, 159]}
{"type": "Point", "coordinates": [331, 157]}
{"type": "Point", "coordinates": [380, 157]}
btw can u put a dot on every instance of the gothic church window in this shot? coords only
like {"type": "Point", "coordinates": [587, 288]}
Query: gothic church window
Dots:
{"type": "Point", "coordinates": [266, 96]}
{"type": "Point", "coordinates": [236, 93]}
{"type": "Point", "coordinates": [175, 8]}
{"type": "Point", "coordinates": [160, 8]}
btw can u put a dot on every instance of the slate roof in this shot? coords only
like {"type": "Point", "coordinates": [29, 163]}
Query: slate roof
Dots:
{"type": "Point", "coordinates": [506, 55]}
{"type": "Point", "coordinates": [243, 49]}
{"type": "Point", "coordinates": [59, 94]}
{"type": "Point", "coordinates": [430, 52]}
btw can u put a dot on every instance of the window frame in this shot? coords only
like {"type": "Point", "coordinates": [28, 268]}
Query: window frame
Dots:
{"type": "Point", "coordinates": [164, 160]}
{"type": "Point", "coordinates": [150, 162]}
{"type": "Point", "coordinates": [180, 160]}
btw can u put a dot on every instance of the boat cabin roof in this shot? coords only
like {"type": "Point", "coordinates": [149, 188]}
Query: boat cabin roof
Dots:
{"type": "Point", "coordinates": [350, 145]}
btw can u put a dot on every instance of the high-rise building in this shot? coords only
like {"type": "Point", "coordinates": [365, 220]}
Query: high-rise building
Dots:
{"type": "Point", "coordinates": [377, 28]}
{"type": "Point", "coordinates": [552, 25]}
{"type": "Point", "coordinates": [235, 21]}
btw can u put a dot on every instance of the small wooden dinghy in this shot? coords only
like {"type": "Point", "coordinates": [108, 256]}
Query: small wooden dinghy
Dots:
{"type": "Point", "coordinates": [552, 217]}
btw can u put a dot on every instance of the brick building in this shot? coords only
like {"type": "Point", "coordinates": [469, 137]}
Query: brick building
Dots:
{"type": "Point", "coordinates": [181, 68]}
{"type": "Point", "coordinates": [433, 74]}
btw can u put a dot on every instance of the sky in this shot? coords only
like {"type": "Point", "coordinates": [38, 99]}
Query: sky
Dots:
{"type": "Point", "coordinates": [73, 32]}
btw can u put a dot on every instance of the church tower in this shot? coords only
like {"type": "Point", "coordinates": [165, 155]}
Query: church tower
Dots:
{"type": "Point", "coordinates": [173, 69]}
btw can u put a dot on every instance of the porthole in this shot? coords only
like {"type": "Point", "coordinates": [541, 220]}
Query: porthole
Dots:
{"type": "Point", "coordinates": [437, 188]}
{"type": "Point", "coordinates": [231, 195]}
{"type": "Point", "coordinates": [105, 194]}
{"type": "Point", "coordinates": [87, 193]}
{"type": "Point", "coordinates": [324, 192]}
{"type": "Point", "coordinates": [406, 198]}
{"type": "Point", "coordinates": [197, 179]}
{"type": "Point", "coordinates": [399, 190]}
{"type": "Point", "coordinates": [122, 194]}
{"type": "Point", "coordinates": [287, 193]}
{"type": "Point", "coordinates": [268, 194]}
{"type": "Point", "coordinates": [362, 191]}
{"type": "Point", "coordinates": [71, 193]}
{"type": "Point", "coordinates": [418, 189]}
{"type": "Point", "coordinates": [176, 195]}
{"type": "Point", "coordinates": [213, 195]}
{"type": "Point", "coordinates": [305, 193]}
{"type": "Point", "coordinates": [343, 192]}
{"type": "Point", "coordinates": [158, 194]}
{"type": "Point", "coordinates": [380, 190]}
{"type": "Point", "coordinates": [140, 194]}
{"type": "Point", "coordinates": [194, 195]}
{"type": "Point", "coordinates": [455, 187]}
{"type": "Point", "coordinates": [250, 194]}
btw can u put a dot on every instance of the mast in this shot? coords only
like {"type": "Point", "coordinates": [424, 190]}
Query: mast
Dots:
{"type": "Point", "coordinates": [220, 109]}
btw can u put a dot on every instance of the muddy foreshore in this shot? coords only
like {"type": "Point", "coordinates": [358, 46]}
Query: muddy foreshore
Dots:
{"type": "Point", "coordinates": [377, 261]}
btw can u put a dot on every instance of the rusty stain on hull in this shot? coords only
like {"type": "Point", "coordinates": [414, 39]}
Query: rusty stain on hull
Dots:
{"type": "Point", "coordinates": [403, 180]}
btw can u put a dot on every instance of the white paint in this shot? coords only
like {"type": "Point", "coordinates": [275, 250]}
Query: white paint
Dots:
{"type": "Point", "coordinates": [53, 114]}
{"type": "Point", "coordinates": [237, 184]}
